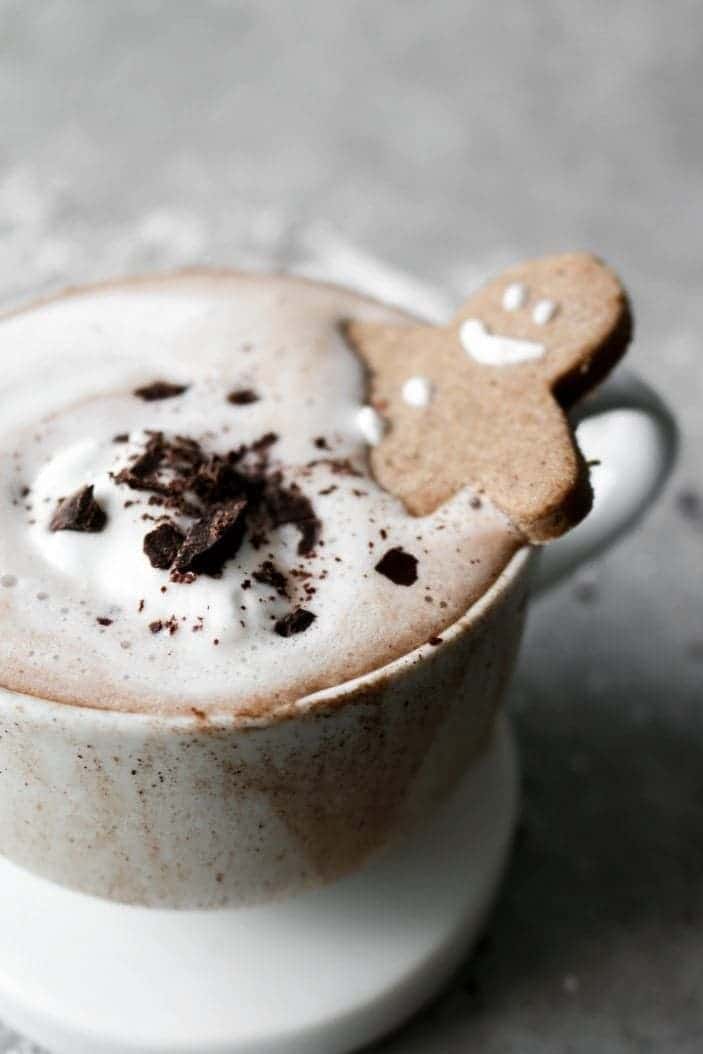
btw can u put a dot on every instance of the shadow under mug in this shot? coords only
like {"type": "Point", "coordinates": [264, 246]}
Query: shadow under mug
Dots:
{"type": "Point", "coordinates": [173, 811]}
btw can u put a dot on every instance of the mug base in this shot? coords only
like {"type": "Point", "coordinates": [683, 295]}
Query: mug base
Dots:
{"type": "Point", "coordinates": [321, 973]}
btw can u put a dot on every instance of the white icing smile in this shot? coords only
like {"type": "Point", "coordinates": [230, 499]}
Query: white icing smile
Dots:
{"type": "Point", "coordinates": [491, 349]}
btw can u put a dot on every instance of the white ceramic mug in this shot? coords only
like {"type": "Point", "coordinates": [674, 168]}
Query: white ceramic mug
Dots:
{"type": "Point", "coordinates": [173, 811]}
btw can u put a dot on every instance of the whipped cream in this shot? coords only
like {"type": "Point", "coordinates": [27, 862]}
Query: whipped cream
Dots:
{"type": "Point", "coordinates": [78, 609]}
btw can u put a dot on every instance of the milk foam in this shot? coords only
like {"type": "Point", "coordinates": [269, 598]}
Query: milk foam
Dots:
{"type": "Point", "coordinates": [69, 370]}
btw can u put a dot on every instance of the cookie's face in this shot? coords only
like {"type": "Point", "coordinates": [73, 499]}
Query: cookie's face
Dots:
{"type": "Point", "coordinates": [569, 312]}
{"type": "Point", "coordinates": [481, 402]}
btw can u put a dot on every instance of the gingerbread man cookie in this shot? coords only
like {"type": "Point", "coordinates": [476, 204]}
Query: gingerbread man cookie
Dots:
{"type": "Point", "coordinates": [482, 401]}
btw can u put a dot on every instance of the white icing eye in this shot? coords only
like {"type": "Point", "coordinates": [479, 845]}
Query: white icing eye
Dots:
{"type": "Point", "coordinates": [371, 425]}
{"type": "Point", "coordinates": [417, 391]}
{"type": "Point", "coordinates": [492, 349]}
{"type": "Point", "coordinates": [515, 296]}
{"type": "Point", "coordinates": [543, 312]}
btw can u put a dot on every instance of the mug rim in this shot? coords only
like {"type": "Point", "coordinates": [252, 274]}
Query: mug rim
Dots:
{"type": "Point", "coordinates": [324, 700]}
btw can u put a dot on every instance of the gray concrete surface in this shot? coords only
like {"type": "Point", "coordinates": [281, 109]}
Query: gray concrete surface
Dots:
{"type": "Point", "coordinates": [446, 137]}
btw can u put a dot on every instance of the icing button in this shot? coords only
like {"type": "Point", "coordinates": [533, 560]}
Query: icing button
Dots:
{"type": "Point", "coordinates": [371, 425]}
{"type": "Point", "coordinates": [417, 391]}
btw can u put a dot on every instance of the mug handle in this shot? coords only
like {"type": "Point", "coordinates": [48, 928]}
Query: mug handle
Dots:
{"type": "Point", "coordinates": [631, 438]}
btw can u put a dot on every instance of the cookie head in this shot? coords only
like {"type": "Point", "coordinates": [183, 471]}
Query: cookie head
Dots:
{"type": "Point", "coordinates": [482, 402]}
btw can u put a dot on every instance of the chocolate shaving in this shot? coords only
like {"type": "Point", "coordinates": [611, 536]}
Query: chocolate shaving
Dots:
{"type": "Point", "coordinates": [266, 440]}
{"type": "Point", "coordinates": [339, 466]}
{"type": "Point", "coordinates": [157, 390]}
{"type": "Point", "coordinates": [79, 512]}
{"type": "Point", "coordinates": [397, 565]}
{"type": "Point", "coordinates": [217, 480]}
{"type": "Point", "coordinates": [213, 540]}
{"type": "Point", "coordinates": [162, 544]}
{"type": "Point", "coordinates": [269, 575]}
{"type": "Point", "coordinates": [290, 505]}
{"type": "Point", "coordinates": [294, 622]}
{"type": "Point", "coordinates": [242, 396]}
{"type": "Point", "coordinates": [104, 621]}
{"type": "Point", "coordinates": [225, 494]}
{"type": "Point", "coordinates": [140, 475]}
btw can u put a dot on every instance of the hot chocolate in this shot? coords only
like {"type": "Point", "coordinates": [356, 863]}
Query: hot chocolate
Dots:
{"type": "Point", "coordinates": [189, 520]}
{"type": "Point", "coordinates": [251, 526]}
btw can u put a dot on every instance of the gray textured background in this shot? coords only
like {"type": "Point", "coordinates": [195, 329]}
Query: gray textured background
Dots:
{"type": "Point", "coordinates": [447, 138]}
